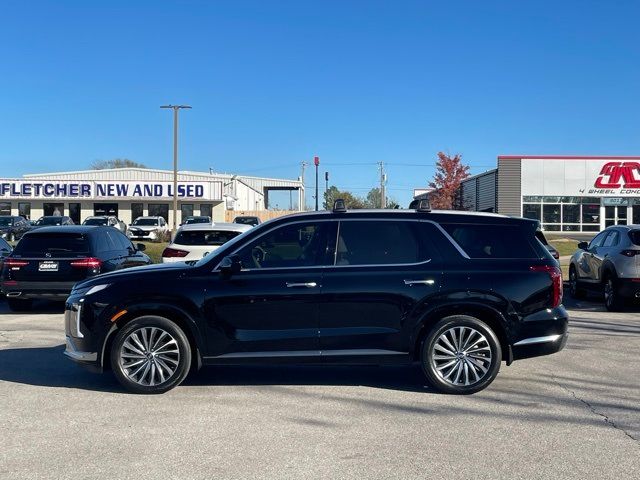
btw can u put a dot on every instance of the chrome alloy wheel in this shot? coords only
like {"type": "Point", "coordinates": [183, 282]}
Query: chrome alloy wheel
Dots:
{"type": "Point", "coordinates": [609, 292]}
{"type": "Point", "coordinates": [149, 356]}
{"type": "Point", "coordinates": [461, 356]}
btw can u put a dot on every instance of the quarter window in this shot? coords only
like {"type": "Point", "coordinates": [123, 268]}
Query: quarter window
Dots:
{"type": "Point", "coordinates": [492, 241]}
{"type": "Point", "coordinates": [378, 243]}
{"type": "Point", "coordinates": [294, 245]}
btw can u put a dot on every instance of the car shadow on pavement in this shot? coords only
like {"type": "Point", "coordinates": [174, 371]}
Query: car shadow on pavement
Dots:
{"type": "Point", "coordinates": [48, 367]}
{"type": "Point", "coordinates": [401, 378]}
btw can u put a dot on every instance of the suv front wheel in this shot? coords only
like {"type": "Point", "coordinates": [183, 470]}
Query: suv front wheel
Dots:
{"type": "Point", "coordinates": [461, 355]}
{"type": "Point", "coordinates": [150, 355]}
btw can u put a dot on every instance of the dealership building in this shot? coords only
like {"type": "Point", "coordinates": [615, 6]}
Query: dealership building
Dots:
{"type": "Point", "coordinates": [129, 193]}
{"type": "Point", "coordinates": [565, 193]}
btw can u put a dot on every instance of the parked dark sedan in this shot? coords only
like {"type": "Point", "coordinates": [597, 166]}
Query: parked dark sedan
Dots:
{"type": "Point", "coordinates": [47, 262]}
{"type": "Point", "coordinates": [52, 220]}
{"type": "Point", "coordinates": [5, 251]}
{"type": "Point", "coordinates": [12, 227]}
{"type": "Point", "coordinates": [458, 293]}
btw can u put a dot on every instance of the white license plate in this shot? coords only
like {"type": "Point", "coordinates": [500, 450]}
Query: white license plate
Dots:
{"type": "Point", "coordinates": [48, 266]}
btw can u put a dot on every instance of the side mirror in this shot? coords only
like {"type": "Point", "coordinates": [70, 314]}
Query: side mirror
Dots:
{"type": "Point", "coordinates": [230, 265]}
{"type": "Point", "coordinates": [141, 247]}
{"type": "Point", "coordinates": [583, 246]}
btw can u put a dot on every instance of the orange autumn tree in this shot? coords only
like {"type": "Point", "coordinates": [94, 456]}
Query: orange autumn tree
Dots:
{"type": "Point", "coordinates": [450, 172]}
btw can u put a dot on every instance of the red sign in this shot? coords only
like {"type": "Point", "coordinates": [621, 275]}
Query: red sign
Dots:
{"type": "Point", "coordinates": [316, 161]}
{"type": "Point", "coordinates": [619, 174]}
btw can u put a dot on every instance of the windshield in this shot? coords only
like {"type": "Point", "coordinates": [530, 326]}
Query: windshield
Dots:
{"type": "Point", "coordinates": [205, 237]}
{"type": "Point", "coordinates": [5, 221]}
{"type": "Point", "coordinates": [49, 221]}
{"type": "Point", "coordinates": [145, 222]}
{"type": "Point", "coordinates": [192, 220]}
{"type": "Point", "coordinates": [95, 221]}
{"type": "Point", "coordinates": [246, 220]}
{"type": "Point", "coordinates": [56, 244]}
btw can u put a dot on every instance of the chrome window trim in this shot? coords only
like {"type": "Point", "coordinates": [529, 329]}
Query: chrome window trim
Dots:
{"type": "Point", "coordinates": [340, 220]}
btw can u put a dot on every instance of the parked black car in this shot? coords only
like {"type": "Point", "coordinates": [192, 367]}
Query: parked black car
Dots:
{"type": "Point", "coordinates": [47, 262]}
{"type": "Point", "coordinates": [247, 220]}
{"type": "Point", "coordinates": [457, 292]}
{"type": "Point", "coordinates": [5, 251]}
{"type": "Point", "coordinates": [12, 227]}
{"type": "Point", "coordinates": [52, 220]}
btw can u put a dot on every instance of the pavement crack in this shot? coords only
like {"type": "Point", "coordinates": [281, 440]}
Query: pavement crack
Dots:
{"type": "Point", "coordinates": [593, 410]}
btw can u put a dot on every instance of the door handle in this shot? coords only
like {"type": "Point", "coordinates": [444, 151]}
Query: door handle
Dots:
{"type": "Point", "coordinates": [303, 284]}
{"type": "Point", "coordinates": [419, 282]}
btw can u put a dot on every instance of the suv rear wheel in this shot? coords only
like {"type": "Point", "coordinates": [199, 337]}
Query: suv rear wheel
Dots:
{"type": "Point", "coordinates": [574, 286]}
{"type": "Point", "coordinates": [150, 355]}
{"type": "Point", "coordinates": [612, 299]}
{"type": "Point", "coordinates": [461, 355]}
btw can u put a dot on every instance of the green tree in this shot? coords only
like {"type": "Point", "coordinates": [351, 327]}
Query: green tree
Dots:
{"type": "Point", "coordinates": [351, 201]}
{"type": "Point", "coordinates": [116, 163]}
{"type": "Point", "coordinates": [374, 200]}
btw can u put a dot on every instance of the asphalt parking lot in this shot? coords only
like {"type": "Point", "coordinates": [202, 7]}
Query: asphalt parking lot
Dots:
{"type": "Point", "coordinates": [571, 415]}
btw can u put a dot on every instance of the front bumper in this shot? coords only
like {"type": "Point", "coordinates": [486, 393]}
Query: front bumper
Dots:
{"type": "Point", "coordinates": [80, 342]}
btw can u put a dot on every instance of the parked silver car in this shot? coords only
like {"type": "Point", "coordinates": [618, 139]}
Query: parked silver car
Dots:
{"type": "Point", "coordinates": [610, 263]}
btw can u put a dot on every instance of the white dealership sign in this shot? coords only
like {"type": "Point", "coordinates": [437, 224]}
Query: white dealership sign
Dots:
{"type": "Point", "coordinates": [577, 177]}
{"type": "Point", "coordinates": [92, 190]}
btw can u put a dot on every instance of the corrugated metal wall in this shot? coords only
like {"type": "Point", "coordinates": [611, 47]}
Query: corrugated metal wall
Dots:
{"type": "Point", "coordinates": [510, 186]}
{"type": "Point", "coordinates": [479, 192]}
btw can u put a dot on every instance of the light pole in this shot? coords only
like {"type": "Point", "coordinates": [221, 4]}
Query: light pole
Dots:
{"type": "Point", "coordinates": [175, 162]}
{"type": "Point", "coordinates": [316, 162]}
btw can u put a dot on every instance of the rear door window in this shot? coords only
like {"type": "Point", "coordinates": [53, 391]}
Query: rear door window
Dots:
{"type": "Point", "coordinates": [493, 241]}
{"type": "Point", "coordinates": [204, 237]}
{"type": "Point", "coordinates": [612, 240]}
{"type": "Point", "coordinates": [379, 243]}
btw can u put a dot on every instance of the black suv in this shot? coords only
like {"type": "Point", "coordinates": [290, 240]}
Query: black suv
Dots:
{"type": "Point", "coordinates": [457, 292]}
{"type": "Point", "coordinates": [47, 262]}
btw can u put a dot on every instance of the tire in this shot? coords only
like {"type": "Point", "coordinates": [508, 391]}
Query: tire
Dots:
{"type": "Point", "coordinates": [469, 374]}
{"type": "Point", "coordinates": [612, 299]}
{"type": "Point", "coordinates": [574, 284]}
{"type": "Point", "coordinates": [150, 355]}
{"type": "Point", "coordinates": [16, 305]}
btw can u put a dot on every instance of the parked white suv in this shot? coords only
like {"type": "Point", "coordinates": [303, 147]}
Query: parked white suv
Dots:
{"type": "Point", "coordinates": [148, 228]}
{"type": "Point", "coordinates": [192, 242]}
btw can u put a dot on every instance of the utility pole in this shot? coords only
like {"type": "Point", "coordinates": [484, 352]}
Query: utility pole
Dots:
{"type": "Point", "coordinates": [326, 188]}
{"type": "Point", "coordinates": [303, 203]}
{"type": "Point", "coordinates": [175, 108]}
{"type": "Point", "coordinates": [316, 162]}
{"type": "Point", "coordinates": [383, 181]}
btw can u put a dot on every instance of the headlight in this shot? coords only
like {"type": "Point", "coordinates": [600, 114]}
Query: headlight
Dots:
{"type": "Point", "coordinates": [97, 288]}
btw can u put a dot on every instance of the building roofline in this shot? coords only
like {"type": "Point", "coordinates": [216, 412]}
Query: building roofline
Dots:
{"type": "Point", "coordinates": [567, 157]}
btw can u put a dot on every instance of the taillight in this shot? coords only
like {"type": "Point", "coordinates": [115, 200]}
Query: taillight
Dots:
{"type": "Point", "coordinates": [89, 262]}
{"type": "Point", "coordinates": [174, 253]}
{"type": "Point", "coordinates": [630, 253]}
{"type": "Point", "coordinates": [556, 280]}
{"type": "Point", "coordinates": [12, 262]}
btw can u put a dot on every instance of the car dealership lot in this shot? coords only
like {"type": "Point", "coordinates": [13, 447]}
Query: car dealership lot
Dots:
{"type": "Point", "coordinates": [575, 414]}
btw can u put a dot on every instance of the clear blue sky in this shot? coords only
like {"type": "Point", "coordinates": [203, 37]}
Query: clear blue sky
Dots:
{"type": "Point", "coordinates": [273, 83]}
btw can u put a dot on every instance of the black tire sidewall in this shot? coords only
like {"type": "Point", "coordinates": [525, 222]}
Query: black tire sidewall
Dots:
{"type": "Point", "coordinates": [576, 292]}
{"type": "Point", "coordinates": [16, 305]}
{"type": "Point", "coordinates": [617, 303]}
{"type": "Point", "coordinates": [459, 321]}
{"type": "Point", "coordinates": [183, 345]}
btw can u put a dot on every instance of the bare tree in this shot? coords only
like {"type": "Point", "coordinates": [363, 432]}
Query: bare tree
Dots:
{"type": "Point", "coordinates": [116, 163]}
